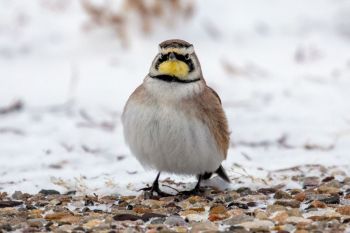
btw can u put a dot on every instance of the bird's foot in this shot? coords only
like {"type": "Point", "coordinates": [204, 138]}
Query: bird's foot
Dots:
{"type": "Point", "coordinates": [195, 191]}
{"type": "Point", "coordinates": [154, 189]}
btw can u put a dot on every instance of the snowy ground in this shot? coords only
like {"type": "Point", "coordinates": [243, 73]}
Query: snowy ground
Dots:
{"type": "Point", "coordinates": [282, 69]}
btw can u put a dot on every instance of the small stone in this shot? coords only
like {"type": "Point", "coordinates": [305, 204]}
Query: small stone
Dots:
{"type": "Point", "coordinates": [187, 212]}
{"type": "Point", "coordinates": [267, 191]}
{"type": "Point", "coordinates": [180, 229]}
{"type": "Point", "coordinates": [328, 189]}
{"type": "Point", "coordinates": [311, 181]}
{"type": "Point", "coordinates": [331, 200]}
{"type": "Point", "coordinates": [71, 219]}
{"type": "Point", "coordinates": [279, 194]}
{"type": "Point", "coordinates": [322, 215]}
{"type": "Point", "coordinates": [294, 212]}
{"type": "Point", "coordinates": [328, 178]}
{"type": "Point", "coordinates": [36, 213]}
{"type": "Point", "coordinates": [147, 216]}
{"type": "Point", "coordinates": [243, 191]}
{"type": "Point", "coordinates": [300, 196]}
{"type": "Point", "coordinates": [280, 217]}
{"type": "Point", "coordinates": [141, 210]}
{"type": "Point", "coordinates": [4, 204]}
{"type": "Point", "coordinates": [235, 212]}
{"type": "Point", "coordinates": [57, 215]}
{"type": "Point", "coordinates": [197, 209]}
{"type": "Point", "coordinates": [301, 231]}
{"type": "Point", "coordinates": [344, 210]}
{"type": "Point", "coordinates": [239, 205]}
{"type": "Point", "coordinates": [125, 217]}
{"type": "Point", "coordinates": [17, 195]}
{"type": "Point", "coordinates": [203, 227]}
{"type": "Point", "coordinates": [36, 222]}
{"type": "Point", "coordinates": [238, 219]}
{"type": "Point", "coordinates": [194, 199]}
{"type": "Point", "coordinates": [47, 192]}
{"type": "Point", "coordinates": [346, 180]}
{"type": "Point", "coordinates": [260, 215]}
{"type": "Point", "coordinates": [153, 204]}
{"type": "Point", "coordinates": [217, 217]}
{"type": "Point", "coordinates": [175, 220]}
{"type": "Point", "coordinates": [273, 208]}
{"type": "Point", "coordinates": [290, 203]}
{"type": "Point", "coordinates": [237, 229]}
{"type": "Point", "coordinates": [219, 209]}
{"type": "Point", "coordinates": [157, 221]}
{"type": "Point", "coordinates": [297, 220]}
{"type": "Point", "coordinates": [257, 225]}
{"type": "Point", "coordinates": [6, 227]}
{"type": "Point", "coordinates": [295, 191]}
{"type": "Point", "coordinates": [317, 204]}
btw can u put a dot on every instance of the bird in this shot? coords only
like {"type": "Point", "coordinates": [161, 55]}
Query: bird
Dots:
{"type": "Point", "coordinates": [174, 122]}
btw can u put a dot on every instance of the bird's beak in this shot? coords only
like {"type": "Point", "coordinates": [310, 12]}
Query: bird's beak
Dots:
{"type": "Point", "coordinates": [172, 56]}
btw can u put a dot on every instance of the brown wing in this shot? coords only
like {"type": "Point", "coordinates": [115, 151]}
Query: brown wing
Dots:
{"type": "Point", "coordinates": [213, 115]}
{"type": "Point", "coordinates": [214, 92]}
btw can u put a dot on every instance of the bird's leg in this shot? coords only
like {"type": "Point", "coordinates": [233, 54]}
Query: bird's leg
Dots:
{"type": "Point", "coordinates": [196, 189]}
{"type": "Point", "coordinates": [155, 188]}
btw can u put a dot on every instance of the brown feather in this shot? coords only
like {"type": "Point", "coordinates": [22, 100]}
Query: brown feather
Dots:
{"type": "Point", "coordinates": [207, 107]}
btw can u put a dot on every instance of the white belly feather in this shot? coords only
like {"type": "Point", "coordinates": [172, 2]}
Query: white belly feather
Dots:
{"type": "Point", "coordinates": [163, 138]}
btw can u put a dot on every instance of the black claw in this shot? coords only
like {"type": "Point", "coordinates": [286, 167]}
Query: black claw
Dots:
{"type": "Point", "coordinates": [197, 189]}
{"type": "Point", "coordinates": [155, 189]}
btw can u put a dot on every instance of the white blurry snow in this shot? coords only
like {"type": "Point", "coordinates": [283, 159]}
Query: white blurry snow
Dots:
{"type": "Point", "coordinates": [281, 68]}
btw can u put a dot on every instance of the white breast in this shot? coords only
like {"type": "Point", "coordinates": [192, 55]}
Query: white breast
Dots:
{"type": "Point", "coordinates": [163, 137]}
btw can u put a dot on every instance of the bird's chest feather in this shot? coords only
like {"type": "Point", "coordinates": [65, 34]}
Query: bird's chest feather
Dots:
{"type": "Point", "coordinates": [157, 124]}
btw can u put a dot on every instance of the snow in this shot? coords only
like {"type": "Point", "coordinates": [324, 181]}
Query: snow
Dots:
{"type": "Point", "coordinates": [282, 70]}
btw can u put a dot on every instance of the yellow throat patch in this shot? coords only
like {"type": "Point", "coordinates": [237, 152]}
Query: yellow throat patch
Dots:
{"type": "Point", "coordinates": [174, 68]}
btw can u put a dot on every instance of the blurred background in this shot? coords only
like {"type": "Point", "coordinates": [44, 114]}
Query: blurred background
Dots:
{"type": "Point", "coordinates": [281, 68]}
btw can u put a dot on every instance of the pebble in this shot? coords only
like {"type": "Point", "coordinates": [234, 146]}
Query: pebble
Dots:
{"type": "Point", "coordinates": [294, 212]}
{"type": "Point", "coordinates": [345, 210]}
{"type": "Point", "coordinates": [331, 200]}
{"type": "Point", "coordinates": [5, 204]}
{"type": "Point", "coordinates": [243, 191]}
{"type": "Point", "coordinates": [218, 212]}
{"type": "Point", "coordinates": [259, 214]}
{"type": "Point", "coordinates": [280, 217]}
{"type": "Point", "coordinates": [311, 181]}
{"type": "Point", "coordinates": [273, 208]}
{"type": "Point", "coordinates": [317, 204]}
{"type": "Point", "coordinates": [37, 222]}
{"type": "Point", "coordinates": [175, 220]}
{"type": "Point", "coordinates": [239, 205]}
{"type": "Point", "coordinates": [328, 189]}
{"type": "Point", "coordinates": [290, 203]}
{"type": "Point", "coordinates": [279, 194]}
{"type": "Point", "coordinates": [203, 227]}
{"type": "Point", "coordinates": [322, 215]}
{"type": "Point", "coordinates": [47, 192]}
{"type": "Point", "coordinates": [296, 220]}
{"type": "Point", "coordinates": [267, 191]}
{"type": "Point", "coordinates": [257, 225]}
{"type": "Point", "coordinates": [300, 196]}
{"type": "Point", "coordinates": [238, 219]}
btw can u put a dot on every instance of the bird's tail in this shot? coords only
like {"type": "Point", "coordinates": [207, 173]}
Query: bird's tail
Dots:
{"type": "Point", "coordinates": [221, 173]}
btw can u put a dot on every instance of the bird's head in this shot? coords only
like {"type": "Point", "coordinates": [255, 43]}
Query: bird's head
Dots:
{"type": "Point", "coordinates": [176, 61]}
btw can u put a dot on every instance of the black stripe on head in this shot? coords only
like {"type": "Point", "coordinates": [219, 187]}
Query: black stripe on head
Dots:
{"type": "Point", "coordinates": [185, 58]}
{"type": "Point", "coordinates": [175, 43]}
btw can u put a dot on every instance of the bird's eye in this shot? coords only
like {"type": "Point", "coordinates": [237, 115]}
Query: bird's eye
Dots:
{"type": "Point", "coordinates": [187, 57]}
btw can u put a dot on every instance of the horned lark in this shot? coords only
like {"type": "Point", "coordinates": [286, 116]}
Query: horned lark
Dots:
{"type": "Point", "coordinates": [174, 122]}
